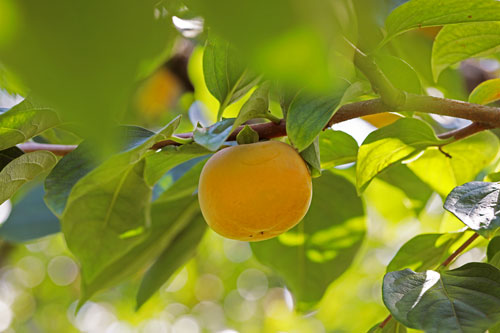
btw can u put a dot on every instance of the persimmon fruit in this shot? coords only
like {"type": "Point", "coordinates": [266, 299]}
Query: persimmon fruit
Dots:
{"type": "Point", "coordinates": [255, 191]}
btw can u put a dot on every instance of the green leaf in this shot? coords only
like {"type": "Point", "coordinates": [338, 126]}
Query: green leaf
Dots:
{"type": "Point", "coordinates": [487, 92]}
{"type": "Point", "coordinates": [425, 13]}
{"type": "Point", "coordinates": [107, 212]}
{"type": "Point", "coordinates": [226, 75]}
{"type": "Point", "coordinates": [400, 73]}
{"type": "Point", "coordinates": [8, 155]}
{"type": "Point", "coordinates": [23, 169]}
{"type": "Point", "coordinates": [24, 121]}
{"type": "Point", "coordinates": [461, 300]}
{"type": "Point", "coordinates": [170, 156]}
{"type": "Point", "coordinates": [29, 219]}
{"type": "Point", "coordinates": [424, 252]}
{"type": "Point", "coordinates": [493, 251]}
{"type": "Point", "coordinates": [312, 157]}
{"type": "Point", "coordinates": [89, 58]}
{"type": "Point", "coordinates": [257, 106]}
{"type": "Point", "coordinates": [247, 135]}
{"type": "Point", "coordinates": [401, 177]}
{"type": "Point", "coordinates": [468, 157]}
{"type": "Point", "coordinates": [308, 115]}
{"type": "Point", "coordinates": [214, 136]}
{"type": "Point", "coordinates": [458, 42]}
{"type": "Point", "coordinates": [476, 204]}
{"type": "Point", "coordinates": [176, 254]}
{"type": "Point", "coordinates": [323, 245]}
{"type": "Point", "coordinates": [392, 326]}
{"type": "Point", "coordinates": [337, 148]}
{"type": "Point", "coordinates": [167, 220]}
{"type": "Point", "coordinates": [74, 166]}
{"type": "Point", "coordinates": [392, 144]}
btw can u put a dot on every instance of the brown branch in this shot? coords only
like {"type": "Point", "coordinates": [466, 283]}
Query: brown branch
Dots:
{"type": "Point", "coordinates": [486, 117]}
{"type": "Point", "coordinates": [444, 264]}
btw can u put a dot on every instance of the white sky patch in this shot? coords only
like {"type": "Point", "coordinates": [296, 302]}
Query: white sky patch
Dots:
{"type": "Point", "coordinates": [5, 210]}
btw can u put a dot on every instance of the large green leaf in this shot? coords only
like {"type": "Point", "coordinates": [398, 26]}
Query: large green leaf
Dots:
{"type": "Point", "coordinates": [337, 148]}
{"type": "Point", "coordinates": [425, 13]}
{"type": "Point", "coordinates": [107, 212]}
{"type": "Point", "coordinates": [392, 144]}
{"type": "Point", "coordinates": [323, 245]}
{"type": "Point", "coordinates": [226, 75]}
{"type": "Point", "coordinates": [177, 253]}
{"type": "Point", "coordinates": [493, 251]}
{"type": "Point", "coordinates": [465, 299]}
{"type": "Point", "coordinates": [458, 42]}
{"type": "Point", "coordinates": [487, 92]}
{"type": "Point", "coordinates": [24, 121]}
{"type": "Point", "coordinates": [468, 157]}
{"type": "Point", "coordinates": [81, 161]}
{"type": "Point", "coordinates": [85, 58]}
{"type": "Point", "coordinates": [476, 204]}
{"type": "Point", "coordinates": [23, 169]}
{"type": "Point", "coordinates": [400, 73]}
{"type": "Point", "coordinates": [423, 252]}
{"type": "Point", "coordinates": [308, 115]}
{"type": "Point", "coordinates": [29, 219]}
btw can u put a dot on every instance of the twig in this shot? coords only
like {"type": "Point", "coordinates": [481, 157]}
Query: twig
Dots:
{"type": "Point", "coordinates": [486, 116]}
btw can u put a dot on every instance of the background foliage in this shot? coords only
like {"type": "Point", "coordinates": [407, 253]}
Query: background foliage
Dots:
{"type": "Point", "coordinates": [104, 234]}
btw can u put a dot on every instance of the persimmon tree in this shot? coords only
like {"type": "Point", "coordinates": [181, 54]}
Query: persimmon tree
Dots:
{"type": "Point", "coordinates": [126, 195]}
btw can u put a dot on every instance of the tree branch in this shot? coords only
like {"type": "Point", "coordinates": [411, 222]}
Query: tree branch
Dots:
{"type": "Point", "coordinates": [486, 117]}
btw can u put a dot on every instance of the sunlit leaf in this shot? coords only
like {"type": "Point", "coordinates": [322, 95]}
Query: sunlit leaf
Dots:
{"type": "Point", "coordinates": [487, 92]}
{"type": "Point", "coordinates": [468, 157]}
{"type": "Point", "coordinates": [337, 148]}
{"type": "Point", "coordinates": [461, 300]}
{"type": "Point", "coordinates": [392, 144]}
{"type": "Point", "coordinates": [458, 42]}
{"type": "Point", "coordinates": [23, 169]}
{"type": "Point", "coordinates": [425, 13]}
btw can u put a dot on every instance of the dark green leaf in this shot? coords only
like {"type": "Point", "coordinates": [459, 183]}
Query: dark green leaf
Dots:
{"type": "Point", "coordinates": [308, 115]}
{"type": "Point", "coordinates": [468, 157]}
{"type": "Point", "coordinates": [493, 252]}
{"type": "Point", "coordinates": [24, 121]}
{"type": "Point", "coordinates": [458, 42]}
{"type": "Point", "coordinates": [226, 75]}
{"type": "Point", "coordinates": [23, 169]}
{"type": "Point", "coordinates": [337, 148]}
{"type": "Point", "coordinates": [247, 135]}
{"type": "Point", "coordinates": [29, 219]}
{"type": "Point", "coordinates": [423, 252]}
{"type": "Point", "coordinates": [176, 254]}
{"type": "Point", "coordinates": [465, 299]}
{"type": "Point", "coordinates": [323, 245]}
{"type": "Point", "coordinates": [392, 144]}
{"type": "Point", "coordinates": [312, 157]}
{"type": "Point", "coordinates": [476, 204]}
{"type": "Point", "coordinates": [8, 155]}
{"type": "Point", "coordinates": [425, 13]}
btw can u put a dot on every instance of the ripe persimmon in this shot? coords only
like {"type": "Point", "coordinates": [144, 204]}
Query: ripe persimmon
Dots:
{"type": "Point", "coordinates": [254, 191]}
